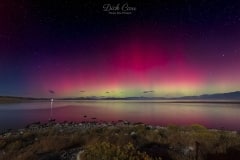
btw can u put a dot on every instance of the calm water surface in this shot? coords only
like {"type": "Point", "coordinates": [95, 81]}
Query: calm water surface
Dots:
{"type": "Point", "coordinates": [212, 115]}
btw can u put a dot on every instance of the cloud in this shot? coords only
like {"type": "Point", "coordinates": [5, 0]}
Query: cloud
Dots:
{"type": "Point", "coordinates": [82, 91]}
{"type": "Point", "coordinates": [145, 92]}
{"type": "Point", "coordinates": [107, 92]}
{"type": "Point", "coordinates": [51, 91]}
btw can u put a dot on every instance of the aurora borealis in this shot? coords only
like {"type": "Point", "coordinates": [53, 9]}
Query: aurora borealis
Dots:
{"type": "Point", "coordinates": [76, 49]}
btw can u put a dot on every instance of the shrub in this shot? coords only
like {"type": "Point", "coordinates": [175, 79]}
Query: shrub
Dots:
{"type": "Point", "coordinates": [107, 151]}
{"type": "Point", "coordinates": [16, 145]}
{"type": "Point", "coordinates": [2, 144]}
{"type": "Point", "coordinates": [198, 128]}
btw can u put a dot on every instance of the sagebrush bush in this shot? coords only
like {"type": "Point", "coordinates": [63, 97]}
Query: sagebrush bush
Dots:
{"type": "Point", "coordinates": [107, 151]}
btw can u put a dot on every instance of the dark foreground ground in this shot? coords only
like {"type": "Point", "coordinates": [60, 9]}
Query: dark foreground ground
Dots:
{"type": "Point", "coordinates": [118, 141]}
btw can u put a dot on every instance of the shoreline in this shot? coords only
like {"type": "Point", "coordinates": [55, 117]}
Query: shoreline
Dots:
{"type": "Point", "coordinates": [95, 124]}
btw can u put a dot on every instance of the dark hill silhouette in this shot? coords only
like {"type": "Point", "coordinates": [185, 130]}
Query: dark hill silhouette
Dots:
{"type": "Point", "coordinates": [218, 96]}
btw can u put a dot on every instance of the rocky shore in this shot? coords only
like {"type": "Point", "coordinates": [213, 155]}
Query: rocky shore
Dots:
{"type": "Point", "coordinates": [67, 126]}
{"type": "Point", "coordinates": [64, 141]}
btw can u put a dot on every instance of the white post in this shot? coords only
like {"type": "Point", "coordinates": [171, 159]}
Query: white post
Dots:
{"type": "Point", "coordinates": [51, 109]}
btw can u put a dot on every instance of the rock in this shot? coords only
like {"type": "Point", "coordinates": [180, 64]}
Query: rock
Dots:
{"type": "Point", "coordinates": [133, 133]}
{"type": "Point", "coordinates": [79, 155]}
{"type": "Point", "coordinates": [187, 150]}
{"type": "Point", "coordinates": [148, 127]}
{"type": "Point", "coordinates": [126, 122]}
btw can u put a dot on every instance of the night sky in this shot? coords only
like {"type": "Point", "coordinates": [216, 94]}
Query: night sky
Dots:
{"type": "Point", "coordinates": [73, 48]}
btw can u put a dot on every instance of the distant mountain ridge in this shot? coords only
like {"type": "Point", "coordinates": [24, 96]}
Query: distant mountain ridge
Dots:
{"type": "Point", "coordinates": [15, 99]}
{"type": "Point", "coordinates": [217, 96]}
{"type": "Point", "coordinates": [229, 95]}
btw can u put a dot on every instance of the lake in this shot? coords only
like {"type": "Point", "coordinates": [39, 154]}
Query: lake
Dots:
{"type": "Point", "coordinates": [212, 115]}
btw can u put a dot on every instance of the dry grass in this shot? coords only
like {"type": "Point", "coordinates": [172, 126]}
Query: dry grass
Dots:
{"type": "Point", "coordinates": [32, 144]}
